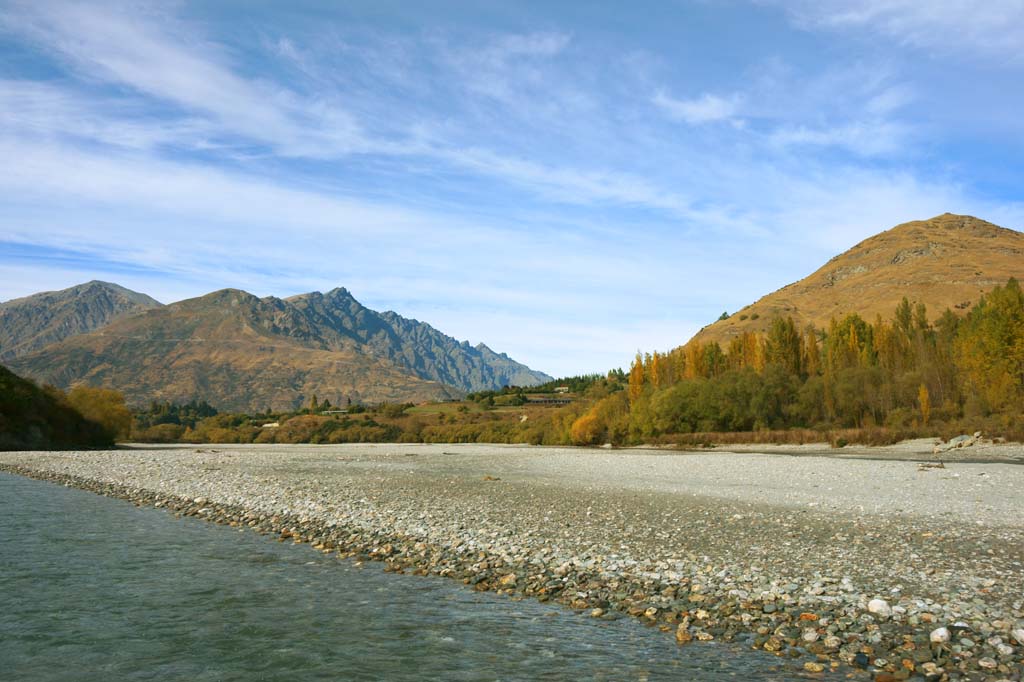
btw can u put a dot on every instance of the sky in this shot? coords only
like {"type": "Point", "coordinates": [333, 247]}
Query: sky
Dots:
{"type": "Point", "coordinates": [568, 182]}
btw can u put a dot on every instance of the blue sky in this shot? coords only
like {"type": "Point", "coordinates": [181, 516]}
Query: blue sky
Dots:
{"type": "Point", "coordinates": [567, 182]}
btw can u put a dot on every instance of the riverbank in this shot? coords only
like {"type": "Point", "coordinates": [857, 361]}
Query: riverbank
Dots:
{"type": "Point", "coordinates": [965, 449]}
{"type": "Point", "coordinates": [784, 553]}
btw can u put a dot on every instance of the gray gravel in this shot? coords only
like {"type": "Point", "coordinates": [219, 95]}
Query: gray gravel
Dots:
{"type": "Point", "coordinates": [785, 552]}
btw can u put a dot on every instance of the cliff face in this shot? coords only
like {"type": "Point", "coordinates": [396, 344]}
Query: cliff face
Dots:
{"type": "Point", "coordinates": [30, 323]}
{"type": "Point", "coordinates": [946, 262]}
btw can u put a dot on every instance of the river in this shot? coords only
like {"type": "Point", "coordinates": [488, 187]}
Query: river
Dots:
{"type": "Point", "coordinates": [96, 589]}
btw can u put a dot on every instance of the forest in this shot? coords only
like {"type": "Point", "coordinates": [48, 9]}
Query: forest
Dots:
{"type": "Point", "coordinates": [905, 375]}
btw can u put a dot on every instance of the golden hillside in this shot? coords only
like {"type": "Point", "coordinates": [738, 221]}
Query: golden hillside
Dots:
{"type": "Point", "coordinates": [946, 262]}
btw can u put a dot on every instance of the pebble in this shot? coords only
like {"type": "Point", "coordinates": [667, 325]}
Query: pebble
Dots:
{"type": "Point", "coordinates": [880, 608]}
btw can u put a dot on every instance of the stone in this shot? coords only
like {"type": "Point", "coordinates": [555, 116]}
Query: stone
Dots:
{"type": "Point", "coordinates": [813, 667]}
{"type": "Point", "coordinates": [596, 613]}
{"type": "Point", "coordinates": [508, 580]}
{"type": "Point", "coordinates": [987, 663]}
{"type": "Point", "coordinates": [939, 636]}
{"type": "Point", "coordinates": [1018, 634]}
{"type": "Point", "coordinates": [880, 608]}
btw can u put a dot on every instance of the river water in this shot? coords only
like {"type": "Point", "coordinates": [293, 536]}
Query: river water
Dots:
{"type": "Point", "coordinates": [92, 588]}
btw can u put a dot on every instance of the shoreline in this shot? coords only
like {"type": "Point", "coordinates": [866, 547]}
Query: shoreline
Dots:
{"type": "Point", "coordinates": [369, 503]}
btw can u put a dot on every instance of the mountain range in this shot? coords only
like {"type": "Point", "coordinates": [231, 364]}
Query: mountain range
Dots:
{"type": "Point", "coordinates": [947, 262]}
{"type": "Point", "coordinates": [241, 352]}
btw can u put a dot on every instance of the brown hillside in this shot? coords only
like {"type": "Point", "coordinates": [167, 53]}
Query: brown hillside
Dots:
{"type": "Point", "coordinates": [235, 350]}
{"type": "Point", "coordinates": [946, 262]}
{"type": "Point", "coordinates": [30, 323]}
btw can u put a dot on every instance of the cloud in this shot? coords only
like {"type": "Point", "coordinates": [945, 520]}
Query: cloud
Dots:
{"type": "Point", "coordinates": [707, 108]}
{"type": "Point", "coordinates": [994, 28]}
{"type": "Point", "coordinates": [155, 55]}
{"type": "Point", "coordinates": [863, 138]}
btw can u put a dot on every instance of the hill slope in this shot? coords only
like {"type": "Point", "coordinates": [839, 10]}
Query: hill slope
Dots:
{"type": "Point", "coordinates": [946, 262]}
{"type": "Point", "coordinates": [34, 419]}
{"type": "Point", "coordinates": [241, 352]}
{"type": "Point", "coordinates": [27, 324]}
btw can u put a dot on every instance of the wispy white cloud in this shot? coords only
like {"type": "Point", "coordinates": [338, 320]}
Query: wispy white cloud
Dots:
{"type": "Point", "coordinates": [991, 28]}
{"type": "Point", "coordinates": [707, 108]}
{"type": "Point", "coordinates": [154, 54]}
{"type": "Point", "coordinates": [864, 138]}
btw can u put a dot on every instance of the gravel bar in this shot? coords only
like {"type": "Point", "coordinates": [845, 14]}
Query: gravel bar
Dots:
{"type": "Point", "coordinates": [882, 568]}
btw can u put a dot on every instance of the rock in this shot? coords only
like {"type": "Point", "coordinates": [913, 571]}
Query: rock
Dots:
{"type": "Point", "coordinates": [810, 635]}
{"type": "Point", "coordinates": [683, 635]}
{"type": "Point", "coordinates": [987, 663]}
{"type": "Point", "coordinates": [596, 613]}
{"type": "Point", "coordinates": [939, 636]}
{"type": "Point", "coordinates": [861, 660]}
{"type": "Point", "coordinates": [880, 608]}
{"type": "Point", "coordinates": [1018, 634]}
{"type": "Point", "coordinates": [813, 667]}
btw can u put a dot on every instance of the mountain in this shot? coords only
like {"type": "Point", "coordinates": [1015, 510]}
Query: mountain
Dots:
{"type": "Point", "coordinates": [240, 352]}
{"type": "Point", "coordinates": [946, 262]}
{"type": "Point", "coordinates": [30, 323]}
{"type": "Point", "coordinates": [415, 345]}
{"type": "Point", "coordinates": [35, 419]}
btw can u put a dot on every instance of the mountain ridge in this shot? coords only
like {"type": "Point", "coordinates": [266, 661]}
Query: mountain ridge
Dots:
{"type": "Point", "coordinates": [243, 352]}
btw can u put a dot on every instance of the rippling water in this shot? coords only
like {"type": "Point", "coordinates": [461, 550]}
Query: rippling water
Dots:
{"type": "Point", "coordinates": [92, 588]}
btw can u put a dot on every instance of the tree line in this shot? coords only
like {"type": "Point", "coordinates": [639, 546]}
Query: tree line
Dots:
{"type": "Point", "coordinates": [903, 373]}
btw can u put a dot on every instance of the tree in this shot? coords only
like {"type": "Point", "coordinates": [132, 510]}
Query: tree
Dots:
{"type": "Point", "coordinates": [636, 377]}
{"type": "Point", "coordinates": [783, 345]}
{"type": "Point", "coordinates": [989, 349]}
{"type": "Point", "coordinates": [924, 400]}
{"type": "Point", "coordinates": [103, 406]}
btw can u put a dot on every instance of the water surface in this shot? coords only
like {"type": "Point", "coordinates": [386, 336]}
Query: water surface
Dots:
{"type": "Point", "coordinates": [96, 589]}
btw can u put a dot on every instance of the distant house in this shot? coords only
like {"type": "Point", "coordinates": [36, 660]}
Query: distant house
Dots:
{"type": "Point", "coordinates": [270, 425]}
{"type": "Point", "coordinates": [562, 389]}
{"type": "Point", "coordinates": [334, 412]}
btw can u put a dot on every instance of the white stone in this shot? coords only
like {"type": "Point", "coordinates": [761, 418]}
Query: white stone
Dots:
{"type": "Point", "coordinates": [811, 635]}
{"type": "Point", "coordinates": [880, 607]}
{"type": "Point", "coordinates": [1018, 635]}
{"type": "Point", "coordinates": [939, 636]}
